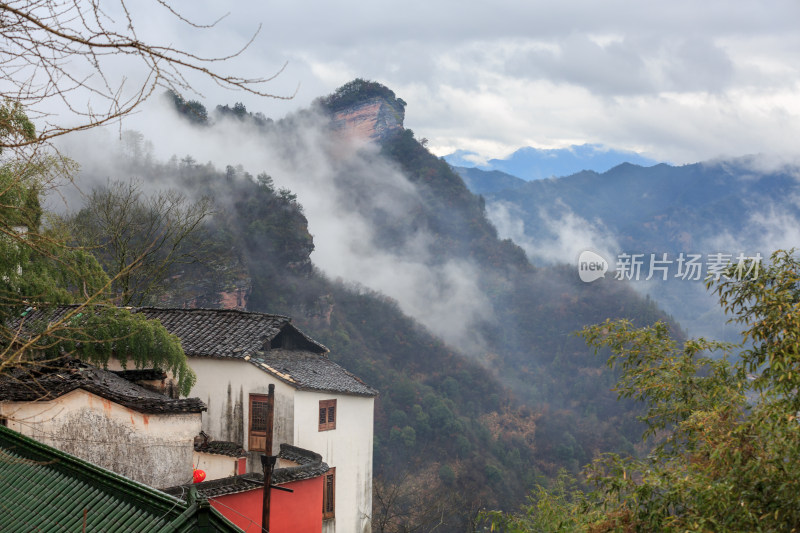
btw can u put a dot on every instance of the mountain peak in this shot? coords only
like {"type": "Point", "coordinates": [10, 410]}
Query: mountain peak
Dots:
{"type": "Point", "coordinates": [365, 109]}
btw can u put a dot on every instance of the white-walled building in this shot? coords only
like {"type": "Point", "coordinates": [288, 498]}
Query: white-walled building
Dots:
{"type": "Point", "coordinates": [103, 418]}
{"type": "Point", "coordinates": [239, 358]}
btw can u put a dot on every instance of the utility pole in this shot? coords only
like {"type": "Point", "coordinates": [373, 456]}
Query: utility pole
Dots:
{"type": "Point", "coordinates": [268, 464]}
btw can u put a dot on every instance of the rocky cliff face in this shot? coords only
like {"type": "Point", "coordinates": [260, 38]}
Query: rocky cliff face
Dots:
{"type": "Point", "coordinates": [375, 119]}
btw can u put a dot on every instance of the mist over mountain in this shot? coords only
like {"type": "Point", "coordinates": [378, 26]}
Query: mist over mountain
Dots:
{"type": "Point", "coordinates": [488, 181]}
{"type": "Point", "coordinates": [338, 217]}
{"type": "Point", "coordinates": [743, 206]}
{"type": "Point", "coordinates": [531, 163]}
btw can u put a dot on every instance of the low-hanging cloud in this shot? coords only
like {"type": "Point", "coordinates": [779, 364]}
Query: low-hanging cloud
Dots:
{"type": "Point", "coordinates": [767, 228]}
{"type": "Point", "coordinates": [568, 233]}
{"type": "Point", "coordinates": [682, 81]}
{"type": "Point", "coordinates": [341, 182]}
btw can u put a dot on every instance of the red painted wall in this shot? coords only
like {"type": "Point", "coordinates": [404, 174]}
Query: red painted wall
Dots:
{"type": "Point", "coordinates": [299, 511]}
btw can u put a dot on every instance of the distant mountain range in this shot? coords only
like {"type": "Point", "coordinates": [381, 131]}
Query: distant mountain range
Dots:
{"type": "Point", "coordinates": [534, 163]}
{"type": "Point", "coordinates": [727, 207]}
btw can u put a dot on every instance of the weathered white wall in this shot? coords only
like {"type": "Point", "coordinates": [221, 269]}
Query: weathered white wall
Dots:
{"type": "Point", "coordinates": [152, 449]}
{"type": "Point", "coordinates": [225, 385]}
{"type": "Point", "coordinates": [215, 466]}
{"type": "Point", "coordinates": [348, 448]}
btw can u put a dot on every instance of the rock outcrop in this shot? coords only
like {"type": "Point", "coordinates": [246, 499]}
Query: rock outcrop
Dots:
{"type": "Point", "coordinates": [375, 119]}
{"type": "Point", "coordinates": [365, 109]}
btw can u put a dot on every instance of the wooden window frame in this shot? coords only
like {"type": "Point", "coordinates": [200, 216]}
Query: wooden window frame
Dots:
{"type": "Point", "coordinates": [327, 415]}
{"type": "Point", "coordinates": [259, 440]}
{"type": "Point", "coordinates": [329, 496]}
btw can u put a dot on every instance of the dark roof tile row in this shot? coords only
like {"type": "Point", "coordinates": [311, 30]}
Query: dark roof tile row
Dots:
{"type": "Point", "coordinates": [310, 371]}
{"type": "Point", "coordinates": [220, 447]}
{"type": "Point", "coordinates": [48, 381]}
{"type": "Point", "coordinates": [253, 337]}
{"type": "Point", "coordinates": [224, 332]}
{"type": "Point", "coordinates": [310, 466]}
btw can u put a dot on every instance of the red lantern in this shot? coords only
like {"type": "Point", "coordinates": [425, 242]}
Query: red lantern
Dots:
{"type": "Point", "coordinates": [199, 475]}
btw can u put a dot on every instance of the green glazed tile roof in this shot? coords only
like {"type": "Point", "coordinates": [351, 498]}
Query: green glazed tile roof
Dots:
{"type": "Point", "coordinates": [46, 490]}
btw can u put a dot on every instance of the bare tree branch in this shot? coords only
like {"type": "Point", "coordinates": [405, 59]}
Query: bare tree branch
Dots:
{"type": "Point", "coordinates": [56, 51]}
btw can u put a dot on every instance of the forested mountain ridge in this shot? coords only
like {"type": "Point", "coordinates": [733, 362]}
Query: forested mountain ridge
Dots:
{"type": "Point", "coordinates": [488, 181]}
{"type": "Point", "coordinates": [664, 207]}
{"type": "Point", "coordinates": [459, 425]}
{"type": "Point", "coordinates": [746, 205]}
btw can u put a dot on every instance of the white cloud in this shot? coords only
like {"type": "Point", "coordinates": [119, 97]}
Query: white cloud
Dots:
{"type": "Point", "coordinates": [569, 233]}
{"type": "Point", "coordinates": [682, 81]}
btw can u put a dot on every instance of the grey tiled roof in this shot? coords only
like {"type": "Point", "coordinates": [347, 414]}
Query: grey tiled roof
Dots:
{"type": "Point", "coordinates": [310, 465]}
{"type": "Point", "coordinates": [141, 374]}
{"type": "Point", "coordinates": [253, 337]}
{"type": "Point", "coordinates": [310, 371]}
{"type": "Point", "coordinates": [225, 332]}
{"type": "Point", "coordinates": [218, 487]}
{"type": "Point", "coordinates": [221, 447]}
{"type": "Point", "coordinates": [52, 380]}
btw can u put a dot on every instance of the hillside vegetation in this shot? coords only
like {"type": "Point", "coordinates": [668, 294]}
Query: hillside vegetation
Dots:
{"type": "Point", "coordinates": [457, 427]}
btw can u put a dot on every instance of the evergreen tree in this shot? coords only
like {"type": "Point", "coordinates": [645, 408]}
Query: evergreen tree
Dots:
{"type": "Point", "coordinates": [39, 270]}
{"type": "Point", "coordinates": [727, 439]}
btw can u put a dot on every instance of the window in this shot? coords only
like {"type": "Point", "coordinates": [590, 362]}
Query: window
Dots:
{"type": "Point", "coordinates": [3, 421]}
{"type": "Point", "coordinates": [327, 415]}
{"type": "Point", "coordinates": [260, 434]}
{"type": "Point", "coordinates": [329, 494]}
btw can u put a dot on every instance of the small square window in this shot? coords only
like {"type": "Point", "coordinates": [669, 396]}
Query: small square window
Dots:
{"type": "Point", "coordinates": [327, 415]}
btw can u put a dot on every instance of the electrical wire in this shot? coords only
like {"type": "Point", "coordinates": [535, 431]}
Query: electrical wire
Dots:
{"type": "Point", "coordinates": [259, 526]}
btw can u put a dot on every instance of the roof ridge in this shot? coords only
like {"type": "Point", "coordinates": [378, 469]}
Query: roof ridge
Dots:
{"type": "Point", "coordinates": [73, 374]}
{"type": "Point", "coordinates": [313, 467]}
{"type": "Point", "coordinates": [210, 310]}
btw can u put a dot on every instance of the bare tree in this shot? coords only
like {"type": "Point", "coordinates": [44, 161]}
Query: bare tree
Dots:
{"type": "Point", "coordinates": [57, 52]}
{"type": "Point", "coordinates": [141, 240]}
{"type": "Point", "coordinates": [418, 501]}
{"type": "Point", "coordinates": [39, 270]}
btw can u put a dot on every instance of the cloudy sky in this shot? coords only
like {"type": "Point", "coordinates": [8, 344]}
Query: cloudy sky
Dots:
{"type": "Point", "coordinates": [680, 81]}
